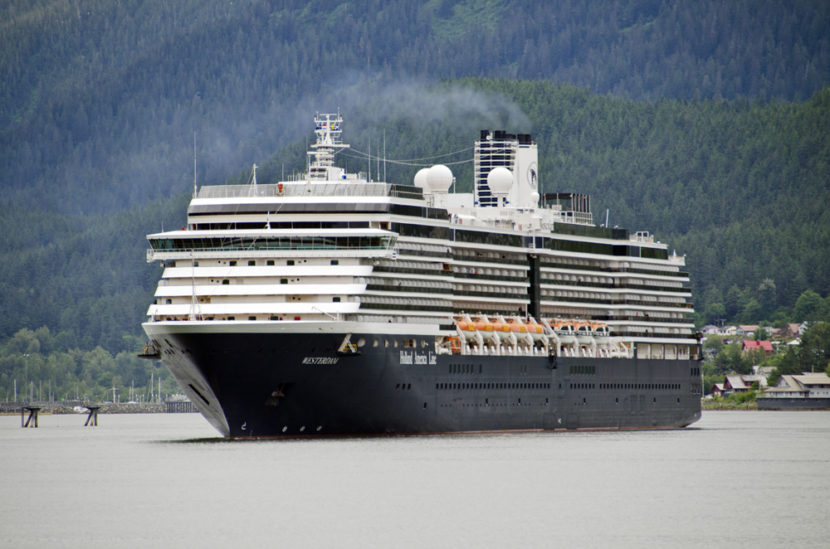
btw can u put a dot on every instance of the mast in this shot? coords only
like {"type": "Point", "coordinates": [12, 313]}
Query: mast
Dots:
{"type": "Point", "coordinates": [194, 164]}
{"type": "Point", "coordinates": [329, 143]}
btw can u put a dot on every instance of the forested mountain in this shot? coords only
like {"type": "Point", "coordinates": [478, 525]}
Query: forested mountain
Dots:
{"type": "Point", "coordinates": [100, 99]}
{"type": "Point", "coordinates": [704, 122]}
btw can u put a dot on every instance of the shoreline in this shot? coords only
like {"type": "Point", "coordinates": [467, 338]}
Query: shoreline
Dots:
{"type": "Point", "coordinates": [63, 408]}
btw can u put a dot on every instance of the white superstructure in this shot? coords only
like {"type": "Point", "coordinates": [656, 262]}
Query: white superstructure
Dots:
{"type": "Point", "coordinates": [487, 272]}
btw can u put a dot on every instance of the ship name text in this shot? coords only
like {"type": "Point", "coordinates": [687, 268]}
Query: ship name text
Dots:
{"type": "Point", "coordinates": [320, 360]}
{"type": "Point", "coordinates": [417, 359]}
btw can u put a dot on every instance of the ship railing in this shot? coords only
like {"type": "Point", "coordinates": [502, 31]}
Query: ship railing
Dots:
{"type": "Point", "coordinates": [641, 236]}
{"type": "Point", "coordinates": [293, 189]}
{"type": "Point", "coordinates": [574, 218]}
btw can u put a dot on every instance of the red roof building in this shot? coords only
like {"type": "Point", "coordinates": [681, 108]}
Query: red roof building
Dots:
{"type": "Point", "coordinates": [765, 345]}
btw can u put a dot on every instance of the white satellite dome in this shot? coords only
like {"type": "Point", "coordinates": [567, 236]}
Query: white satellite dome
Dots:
{"type": "Point", "coordinates": [439, 178]}
{"type": "Point", "coordinates": [500, 180]}
{"type": "Point", "coordinates": [421, 178]}
{"type": "Point", "coordinates": [534, 196]}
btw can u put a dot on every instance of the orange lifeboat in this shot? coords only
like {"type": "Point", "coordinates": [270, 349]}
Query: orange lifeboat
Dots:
{"type": "Point", "coordinates": [517, 326]}
{"type": "Point", "coordinates": [484, 325]}
{"type": "Point", "coordinates": [501, 327]}
{"type": "Point", "coordinates": [583, 328]}
{"type": "Point", "coordinates": [599, 328]}
{"type": "Point", "coordinates": [465, 325]}
{"type": "Point", "coordinates": [562, 326]}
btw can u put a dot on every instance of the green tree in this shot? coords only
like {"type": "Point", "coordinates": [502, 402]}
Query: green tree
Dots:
{"type": "Point", "coordinates": [814, 351]}
{"type": "Point", "coordinates": [731, 359]}
{"type": "Point", "coordinates": [808, 306]}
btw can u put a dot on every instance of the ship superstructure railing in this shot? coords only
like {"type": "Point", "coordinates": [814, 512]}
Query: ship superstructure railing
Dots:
{"type": "Point", "coordinates": [305, 189]}
{"type": "Point", "coordinates": [573, 218]}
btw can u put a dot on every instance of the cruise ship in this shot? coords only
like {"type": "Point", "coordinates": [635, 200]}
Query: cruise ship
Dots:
{"type": "Point", "coordinates": [334, 305]}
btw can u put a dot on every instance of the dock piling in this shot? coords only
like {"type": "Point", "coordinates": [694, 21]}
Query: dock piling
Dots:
{"type": "Point", "coordinates": [93, 416]}
{"type": "Point", "coordinates": [31, 421]}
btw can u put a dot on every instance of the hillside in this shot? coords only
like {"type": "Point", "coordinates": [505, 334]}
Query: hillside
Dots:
{"type": "Point", "coordinates": [100, 100]}
{"type": "Point", "coordinates": [702, 122]}
{"type": "Point", "coordinates": [739, 187]}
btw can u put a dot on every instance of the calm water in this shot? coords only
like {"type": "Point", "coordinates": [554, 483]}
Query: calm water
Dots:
{"type": "Point", "coordinates": [737, 479]}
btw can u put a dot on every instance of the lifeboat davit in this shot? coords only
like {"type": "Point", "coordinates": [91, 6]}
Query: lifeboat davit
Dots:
{"type": "Point", "coordinates": [584, 334]}
{"type": "Point", "coordinates": [487, 331]}
{"type": "Point", "coordinates": [565, 334]}
{"type": "Point", "coordinates": [520, 331]}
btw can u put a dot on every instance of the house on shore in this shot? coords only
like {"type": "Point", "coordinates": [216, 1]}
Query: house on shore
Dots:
{"type": "Point", "coordinates": [736, 383]}
{"type": "Point", "coordinates": [806, 391]}
{"type": "Point", "coordinates": [765, 346]}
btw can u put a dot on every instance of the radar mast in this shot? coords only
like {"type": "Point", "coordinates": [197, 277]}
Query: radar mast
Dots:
{"type": "Point", "coordinates": [321, 157]}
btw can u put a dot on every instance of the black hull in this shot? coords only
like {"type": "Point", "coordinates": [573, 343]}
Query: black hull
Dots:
{"type": "Point", "coordinates": [270, 385]}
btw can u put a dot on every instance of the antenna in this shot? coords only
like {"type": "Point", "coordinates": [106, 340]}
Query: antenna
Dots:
{"type": "Point", "coordinates": [606, 217]}
{"type": "Point", "coordinates": [194, 164]}
{"type": "Point", "coordinates": [369, 179]}
{"type": "Point", "coordinates": [384, 156]}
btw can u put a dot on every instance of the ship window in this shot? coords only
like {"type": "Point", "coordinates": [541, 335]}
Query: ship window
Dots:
{"type": "Point", "coordinates": [231, 318]}
{"type": "Point", "coordinates": [269, 262]}
{"type": "Point", "coordinates": [195, 263]}
{"type": "Point", "coordinates": [251, 318]}
{"type": "Point", "coordinates": [226, 281]}
{"type": "Point", "coordinates": [335, 262]}
{"type": "Point", "coordinates": [283, 281]}
{"type": "Point", "coordinates": [375, 343]}
{"type": "Point", "coordinates": [395, 343]}
{"type": "Point", "coordinates": [168, 301]}
{"type": "Point", "coordinates": [289, 262]}
{"type": "Point", "coordinates": [251, 262]}
{"type": "Point", "coordinates": [232, 263]}
{"type": "Point", "coordinates": [336, 299]}
{"type": "Point", "coordinates": [273, 317]}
